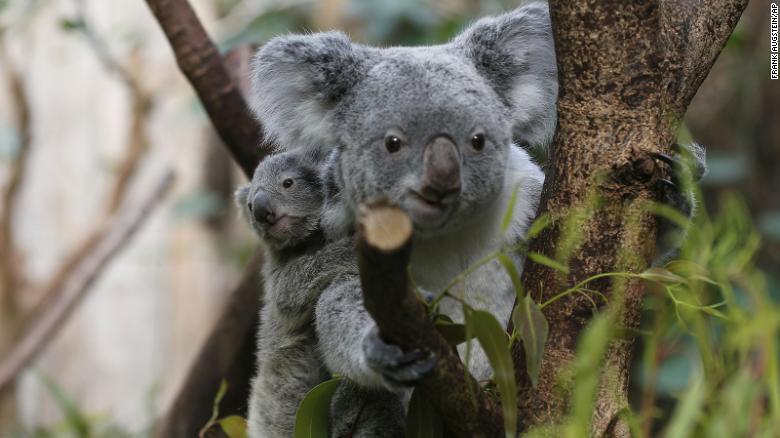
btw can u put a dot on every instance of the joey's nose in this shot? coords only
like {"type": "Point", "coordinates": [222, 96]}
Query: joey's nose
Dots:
{"type": "Point", "coordinates": [261, 208]}
{"type": "Point", "coordinates": [441, 171]}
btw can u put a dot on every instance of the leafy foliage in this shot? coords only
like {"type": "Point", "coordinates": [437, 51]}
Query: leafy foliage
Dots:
{"type": "Point", "coordinates": [492, 337]}
{"type": "Point", "coordinates": [422, 420]}
{"type": "Point", "coordinates": [314, 411]}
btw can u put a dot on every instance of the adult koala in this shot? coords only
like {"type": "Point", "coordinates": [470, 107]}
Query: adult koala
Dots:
{"type": "Point", "coordinates": [430, 128]}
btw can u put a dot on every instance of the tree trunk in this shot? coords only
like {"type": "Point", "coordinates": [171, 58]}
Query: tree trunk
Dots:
{"type": "Point", "coordinates": [624, 86]}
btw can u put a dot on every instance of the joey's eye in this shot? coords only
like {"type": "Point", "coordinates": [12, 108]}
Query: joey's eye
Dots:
{"type": "Point", "coordinates": [287, 183]}
{"type": "Point", "coordinates": [392, 143]}
{"type": "Point", "coordinates": [478, 141]}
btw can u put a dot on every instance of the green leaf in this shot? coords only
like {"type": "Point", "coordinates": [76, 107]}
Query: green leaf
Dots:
{"type": "Point", "coordinates": [234, 426]}
{"type": "Point", "coordinates": [312, 418]}
{"type": "Point", "coordinates": [75, 419]}
{"type": "Point", "coordinates": [546, 261]}
{"type": "Point", "coordinates": [492, 337]}
{"type": "Point", "coordinates": [687, 412]}
{"type": "Point", "coordinates": [455, 334]}
{"type": "Point", "coordinates": [422, 420]}
{"type": "Point", "coordinates": [514, 275]}
{"type": "Point", "coordinates": [542, 222]}
{"type": "Point", "coordinates": [532, 326]}
{"type": "Point", "coordinates": [587, 372]}
{"type": "Point", "coordinates": [69, 25]}
{"type": "Point", "coordinates": [662, 276]}
{"type": "Point", "coordinates": [510, 210]}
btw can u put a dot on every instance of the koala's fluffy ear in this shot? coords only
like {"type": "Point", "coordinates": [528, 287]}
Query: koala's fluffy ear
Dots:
{"type": "Point", "coordinates": [515, 53]}
{"type": "Point", "coordinates": [296, 81]}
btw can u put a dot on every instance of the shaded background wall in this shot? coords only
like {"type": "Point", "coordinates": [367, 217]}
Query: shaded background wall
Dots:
{"type": "Point", "coordinates": [124, 352]}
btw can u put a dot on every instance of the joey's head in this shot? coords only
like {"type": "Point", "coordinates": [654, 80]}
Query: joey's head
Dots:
{"type": "Point", "coordinates": [284, 199]}
{"type": "Point", "coordinates": [427, 127]}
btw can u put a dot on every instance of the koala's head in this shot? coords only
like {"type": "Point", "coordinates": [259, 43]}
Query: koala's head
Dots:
{"type": "Point", "coordinates": [284, 199]}
{"type": "Point", "coordinates": [427, 127]}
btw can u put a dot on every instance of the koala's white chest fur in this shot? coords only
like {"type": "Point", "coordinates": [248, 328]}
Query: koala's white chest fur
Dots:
{"type": "Point", "coordinates": [437, 261]}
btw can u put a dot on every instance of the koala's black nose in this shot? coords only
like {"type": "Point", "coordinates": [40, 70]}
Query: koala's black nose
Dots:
{"type": "Point", "coordinates": [261, 208]}
{"type": "Point", "coordinates": [441, 171]}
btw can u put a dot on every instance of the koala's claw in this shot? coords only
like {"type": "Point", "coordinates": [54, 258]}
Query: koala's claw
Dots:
{"type": "Point", "coordinates": [665, 158]}
{"type": "Point", "coordinates": [669, 183]}
{"type": "Point", "coordinates": [399, 369]}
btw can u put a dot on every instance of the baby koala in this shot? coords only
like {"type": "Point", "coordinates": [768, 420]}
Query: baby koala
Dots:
{"type": "Point", "coordinates": [283, 204]}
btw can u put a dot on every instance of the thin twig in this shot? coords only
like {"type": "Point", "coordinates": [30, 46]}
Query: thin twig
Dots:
{"type": "Point", "coordinates": [87, 271]}
{"type": "Point", "coordinates": [138, 144]}
{"type": "Point", "coordinates": [10, 274]}
{"type": "Point", "coordinates": [200, 61]}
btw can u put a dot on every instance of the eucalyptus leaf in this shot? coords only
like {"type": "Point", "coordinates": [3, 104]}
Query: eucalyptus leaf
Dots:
{"type": "Point", "coordinates": [513, 273]}
{"type": "Point", "coordinates": [662, 276]}
{"type": "Point", "coordinates": [493, 339]}
{"type": "Point", "coordinates": [532, 326]}
{"type": "Point", "coordinates": [546, 261]}
{"type": "Point", "coordinates": [687, 411]}
{"type": "Point", "coordinates": [311, 421]}
{"type": "Point", "coordinates": [455, 334]}
{"type": "Point", "coordinates": [234, 426]}
{"type": "Point", "coordinates": [540, 223]}
{"type": "Point", "coordinates": [422, 420]}
{"type": "Point", "coordinates": [510, 210]}
{"type": "Point", "coordinates": [587, 372]}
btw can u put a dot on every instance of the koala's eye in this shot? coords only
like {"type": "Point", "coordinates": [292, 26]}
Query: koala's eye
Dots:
{"type": "Point", "coordinates": [287, 183]}
{"type": "Point", "coordinates": [392, 143]}
{"type": "Point", "coordinates": [478, 141]}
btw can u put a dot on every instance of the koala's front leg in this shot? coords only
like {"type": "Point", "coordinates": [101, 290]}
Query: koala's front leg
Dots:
{"type": "Point", "coordinates": [398, 369]}
{"type": "Point", "coordinates": [350, 344]}
{"type": "Point", "coordinates": [688, 165]}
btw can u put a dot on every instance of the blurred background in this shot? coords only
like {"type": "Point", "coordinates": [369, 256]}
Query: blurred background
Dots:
{"type": "Point", "coordinates": [93, 111]}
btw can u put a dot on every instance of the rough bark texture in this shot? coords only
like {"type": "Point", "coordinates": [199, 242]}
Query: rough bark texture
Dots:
{"type": "Point", "coordinates": [384, 248]}
{"type": "Point", "coordinates": [623, 88]}
{"type": "Point", "coordinates": [200, 61]}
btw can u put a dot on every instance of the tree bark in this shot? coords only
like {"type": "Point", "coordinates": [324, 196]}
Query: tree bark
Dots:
{"type": "Point", "coordinates": [219, 92]}
{"type": "Point", "coordinates": [623, 89]}
{"type": "Point", "coordinates": [384, 247]}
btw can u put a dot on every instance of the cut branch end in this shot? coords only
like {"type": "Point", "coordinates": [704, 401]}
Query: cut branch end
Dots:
{"type": "Point", "coordinates": [384, 227]}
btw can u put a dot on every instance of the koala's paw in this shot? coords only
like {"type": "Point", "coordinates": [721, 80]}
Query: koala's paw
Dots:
{"type": "Point", "coordinates": [399, 370]}
{"type": "Point", "coordinates": [688, 165]}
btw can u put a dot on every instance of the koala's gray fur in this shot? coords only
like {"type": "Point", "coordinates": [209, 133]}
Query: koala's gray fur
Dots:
{"type": "Point", "coordinates": [299, 264]}
{"type": "Point", "coordinates": [497, 79]}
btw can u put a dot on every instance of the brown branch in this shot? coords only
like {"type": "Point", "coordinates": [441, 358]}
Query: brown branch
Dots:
{"type": "Point", "coordinates": [44, 328]}
{"type": "Point", "coordinates": [142, 105]}
{"type": "Point", "coordinates": [384, 248]}
{"type": "Point", "coordinates": [693, 33]}
{"type": "Point", "coordinates": [138, 144]}
{"type": "Point", "coordinates": [10, 272]}
{"type": "Point", "coordinates": [228, 353]}
{"type": "Point", "coordinates": [201, 63]}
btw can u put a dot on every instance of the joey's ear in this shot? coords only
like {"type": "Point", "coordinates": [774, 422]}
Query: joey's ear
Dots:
{"type": "Point", "coordinates": [296, 82]}
{"type": "Point", "coordinates": [516, 54]}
